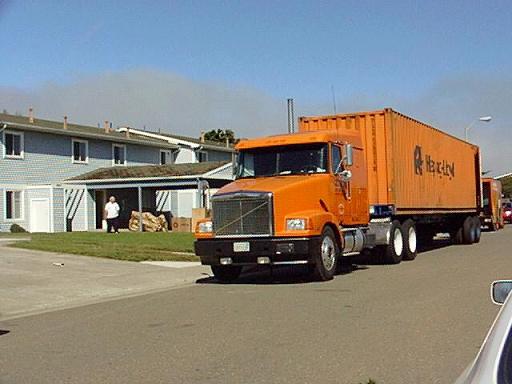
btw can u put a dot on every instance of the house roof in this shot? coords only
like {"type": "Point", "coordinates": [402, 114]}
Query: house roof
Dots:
{"type": "Point", "coordinates": [150, 171]}
{"type": "Point", "coordinates": [206, 143]}
{"type": "Point", "coordinates": [76, 130]}
{"type": "Point", "coordinates": [180, 140]}
{"type": "Point", "coordinates": [506, 175]}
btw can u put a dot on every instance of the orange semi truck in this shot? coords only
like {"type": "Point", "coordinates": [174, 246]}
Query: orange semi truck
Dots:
{"type": "Point", "coordinates": [377, 181]}
{"type": "Point", "coordinates": [491, 215]}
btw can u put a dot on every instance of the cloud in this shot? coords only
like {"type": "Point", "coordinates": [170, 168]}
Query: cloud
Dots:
{"type": "Point", "coordinates": [172, 103]}
{"type": "Point", "coordinates": [157, 100]}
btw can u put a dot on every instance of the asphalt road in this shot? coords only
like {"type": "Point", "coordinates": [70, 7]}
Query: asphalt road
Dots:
{"type": "Point", "coordinates": [417, 322]}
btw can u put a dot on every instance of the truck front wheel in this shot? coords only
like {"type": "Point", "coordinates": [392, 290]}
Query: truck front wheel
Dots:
{"type": "Point", "coordinates": [326, 256]}
{"type": "Point", "coordinates": [226, 273]}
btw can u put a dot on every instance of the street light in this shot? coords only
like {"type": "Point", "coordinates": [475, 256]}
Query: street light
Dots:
{"type": "Point", "coordinates": [485, 119]}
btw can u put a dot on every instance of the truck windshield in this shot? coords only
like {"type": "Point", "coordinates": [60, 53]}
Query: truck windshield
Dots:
{"type": "Point", "coordinates": [283, 160]}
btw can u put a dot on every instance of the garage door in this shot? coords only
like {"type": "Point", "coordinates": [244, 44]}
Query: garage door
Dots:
{"type": "Point", "coordinates": [39, 215]}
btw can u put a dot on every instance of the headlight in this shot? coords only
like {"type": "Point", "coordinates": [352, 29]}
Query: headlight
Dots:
{"type": "Point", "coordinates": [508, 213]}
{"type": "Point", "coordinates": [205, 227]}
{"type": "Point", "coordinates": [296, 224]}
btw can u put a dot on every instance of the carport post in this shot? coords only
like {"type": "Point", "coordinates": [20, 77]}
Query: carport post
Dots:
{"type": "Point", "coordinates": [139, 191]}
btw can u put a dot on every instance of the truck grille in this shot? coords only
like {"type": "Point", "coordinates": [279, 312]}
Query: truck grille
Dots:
{"type": "Point", "coordinates": [242, 214]}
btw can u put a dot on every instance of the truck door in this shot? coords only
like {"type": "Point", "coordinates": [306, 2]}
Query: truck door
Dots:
{"type": "Point", "coordinates": [350, 193]}
{"type": "Point", "coordinates": [339, 204]}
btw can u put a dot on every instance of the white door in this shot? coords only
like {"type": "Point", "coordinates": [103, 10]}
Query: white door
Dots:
{"type": "Point", "coordinates": [185, 203]}
{"type": "Point", "coordinates": [39, 215]}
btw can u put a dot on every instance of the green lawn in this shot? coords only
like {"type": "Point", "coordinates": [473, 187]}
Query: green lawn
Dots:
{"type": "Point", "coordinates": [132, 246]}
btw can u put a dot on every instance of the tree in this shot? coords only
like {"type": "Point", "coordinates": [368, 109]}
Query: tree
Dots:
{"type": "Point", "coordinates": [220, 136]}
{"type": "Point", "coordinates": [507, 186]}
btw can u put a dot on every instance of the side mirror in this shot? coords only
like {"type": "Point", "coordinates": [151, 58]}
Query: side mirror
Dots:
{"type": "Point", "coordinates": [500, 290]}
{"type": "Point", "coordinates": [349, 155]}
{"type": "Point", "coordinates": [346, 175]}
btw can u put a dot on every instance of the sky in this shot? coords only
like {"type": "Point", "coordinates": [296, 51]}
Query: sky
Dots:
{"type": "Point", "coordinates": [188, 66]}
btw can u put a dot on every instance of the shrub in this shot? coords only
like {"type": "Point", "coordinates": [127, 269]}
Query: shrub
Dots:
{"type": "Point", "coordinates": [15, 228]}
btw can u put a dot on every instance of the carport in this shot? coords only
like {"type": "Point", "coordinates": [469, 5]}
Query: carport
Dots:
{"type": "Point", "coordinates": [142, 188]}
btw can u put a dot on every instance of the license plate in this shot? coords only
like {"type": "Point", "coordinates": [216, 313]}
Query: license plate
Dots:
{"type": "Point", "coordinates": [241, 246]}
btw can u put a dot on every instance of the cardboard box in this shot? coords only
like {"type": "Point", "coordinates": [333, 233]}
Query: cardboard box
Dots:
{"type": "Point", "coordinates": [200, 213]}
{"type": "Point", "coordinates": [181, 224]}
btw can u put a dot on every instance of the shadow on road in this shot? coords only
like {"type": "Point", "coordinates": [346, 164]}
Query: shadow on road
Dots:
{"type": "Point", "coordinates": [368, 258]}
{"type": "Point", "coordinates": [298, 274]}
{"type": "Point", "coordinates": [282, 275]}
{"type": "Point", "coordinates": [4, 332]}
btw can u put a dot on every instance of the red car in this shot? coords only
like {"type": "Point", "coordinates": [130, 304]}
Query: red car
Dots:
{"type": "Point", "coordinates": [507, 212]}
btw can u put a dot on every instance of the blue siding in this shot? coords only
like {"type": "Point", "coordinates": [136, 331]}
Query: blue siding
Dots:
{"type": "Point", "coordinates": [59, 223]}
{"type": "Point", "coordinates": [91, 211]}
{"type": "Point", "coordinates": [48, 162]}
{"type": "Point", "coordinates": [48, 159]}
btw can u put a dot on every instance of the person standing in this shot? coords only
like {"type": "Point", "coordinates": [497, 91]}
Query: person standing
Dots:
{"type": "Point", "coordinates": [112, 215]}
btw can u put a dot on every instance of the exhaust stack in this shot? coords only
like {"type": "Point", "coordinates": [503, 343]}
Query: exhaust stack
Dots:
{"type": "Point", "coordinates": [291, 118]}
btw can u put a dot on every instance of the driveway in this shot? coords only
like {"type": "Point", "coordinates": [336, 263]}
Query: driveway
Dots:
{"type": "Point", "coordinates": [34, 281]}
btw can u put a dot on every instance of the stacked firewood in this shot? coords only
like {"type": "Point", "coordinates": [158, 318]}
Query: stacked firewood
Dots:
{"type": "Point", "coordinates": [150, 222]}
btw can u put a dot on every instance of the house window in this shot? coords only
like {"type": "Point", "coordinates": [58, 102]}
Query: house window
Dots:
{"type": "Point", "coordinates": [167, 157]}
{"type": "Point", "coordinates": [80, 151]}
{"type": "Point", "coordinates": [13, 144]}
{"type": "Point", "coordinates": [13, 205]}
{"type": "Point", "coordinates": [119, 154]}
{"type": "Point", "coordinates": [202, 156]}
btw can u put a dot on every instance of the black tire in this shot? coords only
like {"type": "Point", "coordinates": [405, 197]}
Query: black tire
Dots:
{"type": "Point", "coordinates": [469, 231]}
{"type": "Point", "coordinates": [226, 273]}
{"type": "Point", "coordinates": [410, 240]}
{"type": "Point", "coordinates": [457, 235]}
{"type": "Point", "coordinates": [393, 253]}
{"type": "Point", "coordinates": [326, 256]}
{"type": "Point", "coordinates": [478, 226]}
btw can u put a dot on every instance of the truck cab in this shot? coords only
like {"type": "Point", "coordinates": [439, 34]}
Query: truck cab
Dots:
{"type": "Point", "coordinates": [292, 199]}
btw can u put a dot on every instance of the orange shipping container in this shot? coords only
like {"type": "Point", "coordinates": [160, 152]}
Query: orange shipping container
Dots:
{"type": "Point", "coordinates": [411, 165]}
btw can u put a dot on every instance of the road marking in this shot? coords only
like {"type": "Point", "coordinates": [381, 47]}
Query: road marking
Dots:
{"type": "Point", "coordinates": [173, 264]}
